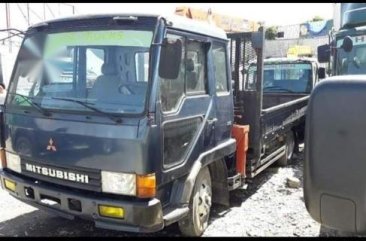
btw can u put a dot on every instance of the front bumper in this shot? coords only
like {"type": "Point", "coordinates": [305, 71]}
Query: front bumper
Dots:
{"type": "Point", "coordinates": [140, 216]}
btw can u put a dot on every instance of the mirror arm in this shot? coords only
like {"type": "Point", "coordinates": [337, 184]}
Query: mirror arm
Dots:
{"type": "Point", "coordinates": [157, 44]}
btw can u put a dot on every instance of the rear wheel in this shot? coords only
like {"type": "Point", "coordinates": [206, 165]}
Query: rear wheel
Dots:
{"type": "Point", "coordinates": [196, 221]}
{"type": "Point", "coordinates": [289, 151]}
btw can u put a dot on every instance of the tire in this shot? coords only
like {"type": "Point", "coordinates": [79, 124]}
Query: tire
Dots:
{"type": "Point", "coordinates": [296, 147]}
{"type": "Point", "coordinates": [196, 222]}
{"type": "Point", "coordinates": [289, 152]}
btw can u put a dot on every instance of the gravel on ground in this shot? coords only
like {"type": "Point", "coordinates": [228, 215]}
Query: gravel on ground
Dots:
{"type": "Point", "coordinates": [267, 207]}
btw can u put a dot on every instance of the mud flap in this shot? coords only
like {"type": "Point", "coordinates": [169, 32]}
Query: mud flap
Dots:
{"type": "Point", "coordinates": [220, 190]}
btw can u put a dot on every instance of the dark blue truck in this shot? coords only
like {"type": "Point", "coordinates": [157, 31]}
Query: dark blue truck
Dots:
{"type": "Point", "coordinates": [132, 121]}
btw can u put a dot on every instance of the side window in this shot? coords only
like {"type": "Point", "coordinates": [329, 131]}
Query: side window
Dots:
{"type": "Point", "coordinates": [172, 90]}
{"type": "Point", "coordinates": [277, 74]}
{"type": "Point", "coordinates": [142, 66]}
{"type": "Point", "coordinates": [94, 62]}
{"type": "Point", "coordinates": [196, 80]}
{"type": "Point", "coordinates": [315, 73]}
{"type": "Point", "coordinates": [251, 82]}
{"type": "Point", "coordinates": [220, 68]}
{"type": "Point", "coordinates": [192, 76]}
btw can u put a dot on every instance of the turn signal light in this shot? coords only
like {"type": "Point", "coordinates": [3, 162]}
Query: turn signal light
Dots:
{"type": "Point", "coordinates": [111, 211]}
{"type": "Point", "coordinates": [146, 186]}
{"type": "Point", "coordinates": [2, 158]}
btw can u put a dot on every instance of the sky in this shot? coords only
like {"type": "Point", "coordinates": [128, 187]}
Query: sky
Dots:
{"type": "Point", "coordinates": [270, 13]}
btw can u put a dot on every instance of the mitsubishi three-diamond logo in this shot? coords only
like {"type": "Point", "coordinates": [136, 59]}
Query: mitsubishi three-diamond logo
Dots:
{"type": "Point", "coordinates": [51, 146]}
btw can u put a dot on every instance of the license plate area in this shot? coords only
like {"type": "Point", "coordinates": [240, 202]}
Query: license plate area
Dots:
{"type": "Point", "coordinates": [50, 201]}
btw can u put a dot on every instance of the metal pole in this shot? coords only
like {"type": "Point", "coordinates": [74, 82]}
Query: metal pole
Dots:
{"type": "Point", "coordinates": [44, 11]}
{"type": "Point", "coordinates": [7, 11]}
{"type": "Point", "coordinates": [260, 66]}
{"type": "Point", "coordinates": [28, 14]}
{"type": "Point", "coordinates": [73, 10]}
{"type": "Point", "coordinates": [259, 93]}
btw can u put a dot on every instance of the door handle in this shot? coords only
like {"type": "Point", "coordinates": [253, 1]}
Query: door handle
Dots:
{"type": "Point", "coordinates": [211, 120]}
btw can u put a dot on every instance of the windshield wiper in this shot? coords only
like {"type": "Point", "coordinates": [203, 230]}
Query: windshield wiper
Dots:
{"type": "Point", "coordinates": [87, 105]}
{"type": "Point", "coordinates": [278, 88]}
{"type": "Point", "coordinates": [34, 104]}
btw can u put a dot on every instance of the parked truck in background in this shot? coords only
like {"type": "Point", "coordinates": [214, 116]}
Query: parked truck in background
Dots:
{"type": "Point", "coordinates": [131, 121]}
{"type": "Point", "coordinates": [334, 179]}
{"type": "Point", "coordinates": [276, 114]}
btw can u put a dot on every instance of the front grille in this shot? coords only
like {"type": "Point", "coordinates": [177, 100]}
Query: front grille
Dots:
{"type": "Point", "coordinates": [76, 177]}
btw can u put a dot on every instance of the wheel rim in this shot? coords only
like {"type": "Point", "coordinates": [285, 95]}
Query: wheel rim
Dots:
{"type": "Point", "coordinates": [203, 205]}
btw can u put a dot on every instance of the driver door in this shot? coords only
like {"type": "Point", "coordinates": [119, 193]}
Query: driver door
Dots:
{"type": "Point", "coordinates": [186, 106]}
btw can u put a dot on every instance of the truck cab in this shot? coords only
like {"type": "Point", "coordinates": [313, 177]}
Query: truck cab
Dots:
{"type": "Point", "coordinates": [285, 79]}
{"type": "Point", "coordinates": [350, 60]}
{"type": "Point", "coordinates": [347, 48]}
{"type": "Point", "coordinates": [121, 119]}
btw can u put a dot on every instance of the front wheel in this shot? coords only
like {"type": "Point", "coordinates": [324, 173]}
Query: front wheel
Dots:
{"type": "Point", "coordinates": [196, 221]}
{"type": "Point", "coordinates": [290, 146]}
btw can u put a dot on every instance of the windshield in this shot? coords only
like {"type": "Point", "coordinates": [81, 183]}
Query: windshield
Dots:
{"type": "Point", "coordinates": [107, 69]}
{"type": "Point", "coordinates": [294, 78]}
{"type": "Point", "coordinates": [353, 62]}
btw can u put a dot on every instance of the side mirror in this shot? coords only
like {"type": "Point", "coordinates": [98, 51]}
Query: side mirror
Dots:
{"type": "Point", "coordinates": [347, 44]}
{"type": "Point", "coordinates": [1, 76]}
{"type": "Point", "coordinates": [244, 71]}
{"type": "Point", "coordinates": [327, 130]}
{"type": "Point", "coordinates": [321, 73]}
{"type": "Point", "coordinates": [324, 53]}
{"type": "Point", "coordinates": [2, 90]}
{"type": "Point", "coordinates": [170, 58]}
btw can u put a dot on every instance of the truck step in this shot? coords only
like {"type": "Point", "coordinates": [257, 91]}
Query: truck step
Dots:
{"type": "Point", "coordinates": [267, 161]}
{"type": "Point", "coordinates": [174, 214]}
{"type": "Point", "coordinates": [243, 187]}
{"type": "Point", "coordinates": [234, 182]}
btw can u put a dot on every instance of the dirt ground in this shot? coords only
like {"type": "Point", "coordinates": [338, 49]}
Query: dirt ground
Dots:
{"type": "Point", "coordinates": [266, 208]}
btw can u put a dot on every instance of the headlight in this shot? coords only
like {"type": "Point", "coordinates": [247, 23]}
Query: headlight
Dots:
{"type": "Point", "coordinates": [119, 183]}
{"type": "Point", "coordinates": [13, 162]}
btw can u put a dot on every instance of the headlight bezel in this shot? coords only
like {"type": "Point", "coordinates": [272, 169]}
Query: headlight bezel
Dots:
{"type": "Point", "coordinates": [119, 183]}
{"type": "Point", "coordinates": [13, 162]}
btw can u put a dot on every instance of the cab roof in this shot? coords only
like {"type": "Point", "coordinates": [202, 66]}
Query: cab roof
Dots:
{"type": "Point", "coordinates": [286, 60]}
{"type": "Point", "coordinates": [175, 21]}
{"type": "Point", "coordinates": [289, 59]}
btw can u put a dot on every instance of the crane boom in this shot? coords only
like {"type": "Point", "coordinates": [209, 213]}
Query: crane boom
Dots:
{"type": "Point", "coordinates": [227, 23]}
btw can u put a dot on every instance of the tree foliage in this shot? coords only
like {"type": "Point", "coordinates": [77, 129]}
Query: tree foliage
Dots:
{"type": "Point", "coordinates": [271, 33]}
{"type": "Point", "coordinates": [316, 18]}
